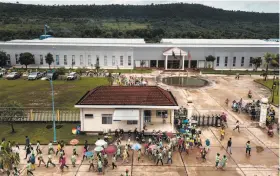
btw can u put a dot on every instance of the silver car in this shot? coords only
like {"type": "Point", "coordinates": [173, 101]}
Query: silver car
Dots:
{"type": "Point", "coordinates": [34, 75]}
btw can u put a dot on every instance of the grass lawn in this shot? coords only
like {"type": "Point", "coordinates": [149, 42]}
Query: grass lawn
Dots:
{"type": "Point", "coordinates": [233, 72]}
{"type": "Point", "coordinates": [38, 93]}
{"type": "Point", "coordinates": [38, 131]}
{"type": "Point", "coordinates": [269, 84]}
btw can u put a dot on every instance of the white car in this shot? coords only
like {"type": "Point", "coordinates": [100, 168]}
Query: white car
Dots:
{"type": "Point", "coordinates": [13, 75]}
{"type": "Point", "coordinates": [72, 76]}
{"type": "Point", "coordinates": [34, 75]}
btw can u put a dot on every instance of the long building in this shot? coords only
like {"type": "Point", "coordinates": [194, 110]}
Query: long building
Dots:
{"type": "Point", "coordinates": [130, 53]}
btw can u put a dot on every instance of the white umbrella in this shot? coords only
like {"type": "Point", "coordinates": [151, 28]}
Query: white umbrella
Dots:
{"type": "Point", "coordinates": [101, 142]}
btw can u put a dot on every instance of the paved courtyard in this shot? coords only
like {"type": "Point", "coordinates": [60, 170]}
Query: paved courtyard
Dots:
{"type": "Point", "coordinates": [207, 100]}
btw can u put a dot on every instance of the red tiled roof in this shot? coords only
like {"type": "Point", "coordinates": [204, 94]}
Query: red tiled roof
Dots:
{"type": "Point", "coordinates": [128, 95]}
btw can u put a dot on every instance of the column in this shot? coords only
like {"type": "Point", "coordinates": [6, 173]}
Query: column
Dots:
{"type": "Point", "coordinates": [183, 66]}
{"type": "Point", "coordinates": [141, 119]}
{"type": "Point", "coordinates": [263, 113]}
{"type": "Point", "coordinates": [189, 64]}
{"type": "Point", "coordinates": [157, 64]}
{"type": "Point", "coordinates": [172, 119]}
{"type": "Point", "coordinates": [166, 62]}
{"type": "Point", "coordinates": [82, 119]}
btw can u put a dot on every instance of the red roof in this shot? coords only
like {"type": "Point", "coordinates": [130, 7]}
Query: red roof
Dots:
{"type": "Point", "coordinates": [128, 95]}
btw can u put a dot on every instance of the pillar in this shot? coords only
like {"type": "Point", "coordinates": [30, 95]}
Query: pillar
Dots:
{"type": "Point", "coordinates": [183, 66]}
{"type": "Point", "coordinates": [31, 115]}
{"type": "Point", "coordinates": [263, 113]}
{"type": "Point", "coordinates": [141, 119]}
{"type": "Point", "coordinates": [157, 64]}
{"type": "Point", "coordinates": [172, 119]}
{"type": "Point", "coordinates": [166, 62]}
{"type": "Point", "coordinates": [189, 64]}
{"type": "Point", "coordinates": [82, 119]}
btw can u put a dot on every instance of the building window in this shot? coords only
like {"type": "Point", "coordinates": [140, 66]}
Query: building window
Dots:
{"type": "Point", "coordinates": [73, 59]}
{"type": "Point", "coordinates": [161, 113]}
{"type": "Point", "coordinates": [251, 62]}
{"type": "Point", "coordinates": [129, 61]}
{"type": "Point", "coordinates": [218, 61]}
{"type": "Point", "coordinates": [57, 59]}
{"type": "Point", "coordinates": [9, 59]}
{"type": "Point", "coordinates": [121, 60]}
{"type": "Point", "coordinates": [234, 61]}
{"type": "Point", "coordinates": [132, 122]}
{"type": "Point", "coordinates": [65, 59]}
{"type": "Point", "coordinates": [17, 59]}
{"type": "Point", "coordinates": [226, 61]}
{"type": "Point", "coordinates": [113, 60]}
{"type": "Point", "coordinates": [41, 60]}
{"type": "Point", "coordinates": [106, 118]}
{"type": "Point", "coordinates": [105, 60]}
{"type": "Point", "coordinates": [242, 61]}
{"type": "Point", "coordinates": [81, 60]}
{"type": "Point", "coordinates": [88, 115]}
{"type": "Point", "coordinates": [89, 60]}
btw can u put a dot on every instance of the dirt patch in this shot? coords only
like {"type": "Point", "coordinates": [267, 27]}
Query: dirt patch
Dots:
{"type": "Point", "coordinates": [259, 149]}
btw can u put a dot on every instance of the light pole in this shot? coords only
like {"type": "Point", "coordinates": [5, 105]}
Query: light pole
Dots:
{"type": "Point", "coordinates": [273, 88]}
{"type": "Point", "coordinates": [53, 113]}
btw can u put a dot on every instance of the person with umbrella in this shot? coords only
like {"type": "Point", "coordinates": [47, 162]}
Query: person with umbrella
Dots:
{"type": "Point", "coordinates": [114, 162]}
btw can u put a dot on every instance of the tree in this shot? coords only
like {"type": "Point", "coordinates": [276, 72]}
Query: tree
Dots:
{"type": "Point", "coordinates": [142, 63]}
{"type": "Point", "coordinates": [3, 59]}
{"type": "Point", "coordinates": [275, 62]}
{"type": "Point", "coordinates": [257, 61]}
{"type": "Point", "coordinates": [49, 59]}
{"type": "Point", "coordinates": [268, 57]}
{"type": "Point", "coordinates": [11, 112]}
{"type": "Point", "coordinates": [97, 66]}
{"type": "Point", "coordinates": [211, 59]}
{"type": "Point", "coordinates": [7, 156]}
{"type": "Point", "coordinates": [26, 59]}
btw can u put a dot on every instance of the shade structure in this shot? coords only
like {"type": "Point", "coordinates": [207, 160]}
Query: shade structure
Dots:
{"type": "Point", "coordinates": [98, 149]}
{"type": "Point", "coordinates": [89, 154]}
{"type": "Point", "coordinates": [126, 114]}
{"type": "Point", "coordinates": [136, 146]}
{"type": "Point", "coordinates": [111, 149]}
{"type": "Point", "coordinates": [101, 142]}
{"type": "Point", "coordinates": [74, 142]}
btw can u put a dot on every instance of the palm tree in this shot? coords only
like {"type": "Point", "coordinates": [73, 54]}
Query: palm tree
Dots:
{"type": "Point", "coordinates": [268, 57]}
{"type": "Point", "coordinates": [7, 156]}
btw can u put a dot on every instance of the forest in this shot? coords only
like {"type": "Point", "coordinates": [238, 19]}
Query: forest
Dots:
{"type": "Point", "coordinates": [151, 22]}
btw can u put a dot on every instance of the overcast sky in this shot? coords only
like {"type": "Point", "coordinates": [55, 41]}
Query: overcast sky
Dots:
{"type": "Point", "coordinates": [268, 6]}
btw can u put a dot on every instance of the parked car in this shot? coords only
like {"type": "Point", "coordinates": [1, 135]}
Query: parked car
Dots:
{"type": "Point", "coordinates": [13, 75]}
{"type": "Point", "coordinates": [52, 75]}
{"type": "Point", "coordinates": [72, 76]}
{"type": "Point", "coordinates": [35, 75]}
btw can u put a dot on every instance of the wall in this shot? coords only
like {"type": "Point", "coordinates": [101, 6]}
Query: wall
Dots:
{"type": "Point", "coordinates": [155, 119]}
{"type": "Point", "coordinates": [95, 123]}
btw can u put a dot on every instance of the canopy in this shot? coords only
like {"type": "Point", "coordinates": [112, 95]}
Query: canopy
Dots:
{"type": "Point", "coordinates": [126, 114]}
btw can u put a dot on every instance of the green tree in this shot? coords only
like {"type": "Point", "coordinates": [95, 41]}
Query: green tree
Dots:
{"type": "Point", "coordinates": [275, 62]}
{"type": "Point", "coordinates": [268, 57]}
{"type": "Point", "coordinates": [11, 112]}
{"type": "Point", "coordinates": [211, 59]}
{"type": "Point", "coordinates": [257, 61]}
{"type": "Point", "coordinates": [49, 59]}
{"type": "Point", "coordinates": [3, 59]}
{"type": "Point", "coordinates": [7, 156]}
{"type": "Point", "coordinates": [26, 59]}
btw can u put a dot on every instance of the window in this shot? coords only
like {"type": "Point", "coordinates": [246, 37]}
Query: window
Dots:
{"type": "Point", "coordinates": [17, 59]}
{"type": "Point", "coordinates": [242, 61]}
{"type": "Point", "coordinates": [65, 59]}
{"type": "Point", "coordinates": [129, 61]}
{"type": "Point", "coordinates": [57, 59]}
{"type": "Point", "coordinates": [81, 60]}
{"type": "Point", "coordinates": [234, 61]}
{"type": "Point", "coordinates": [9, 59]}
{"type": "Point", "coordinates": [41, 60]}
{"type": "Point", "coordinates": [161, 113]}
{"type": "Point", "coordinates": [73, 59]}
{"type": "Point", "coordinates": [106, 118]}
{"type": "Point", "coordinates": [218, 61]}
{"type": "Point", "coordinates": [89, 60]}
{"type": "Point", "coordinates": [226, 61]}
{"type": "Point", "coordinates": [121, 60]}
{"type": "Point", "coordinates": [105, 60]}
{"type": "Point", "coordinates": [251, 62]}
{"type": "Point", "coordinates": [113, 60]}
{"type": "Point", "coordinates": [132, 122]}
{"type": "Point", "coordinates": [88, 115]}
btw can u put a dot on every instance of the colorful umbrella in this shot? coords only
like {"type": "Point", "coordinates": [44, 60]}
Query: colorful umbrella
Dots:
{"type": "Point", "coordinates": [146, 145]}
{"type": "Point", "coordinates": [111, 149]}
{"type": "Point", "coordinates": [98, 149]}
{"type": "Point", "coordinates": [89, 154]}
{"type": "Point", "coordinates": [100, 142]}
{"type": "Point", "coordinates": [74, 142]}
{"type": "Point", "coordinates": [152, 146]}
{"type": "Point", "coordinates": [136, 146]}
{"type": "Point", "coordinates": [169, 134]}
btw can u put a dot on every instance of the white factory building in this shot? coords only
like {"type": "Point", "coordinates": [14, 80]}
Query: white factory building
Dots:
{"type": "Point", "coordinates": [115, 53]}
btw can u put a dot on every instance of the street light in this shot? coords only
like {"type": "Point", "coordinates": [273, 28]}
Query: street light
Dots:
{"type": "Point", "coordinates": [53, 113]}
{"type": "Point", "coordinates": [273, 92]}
